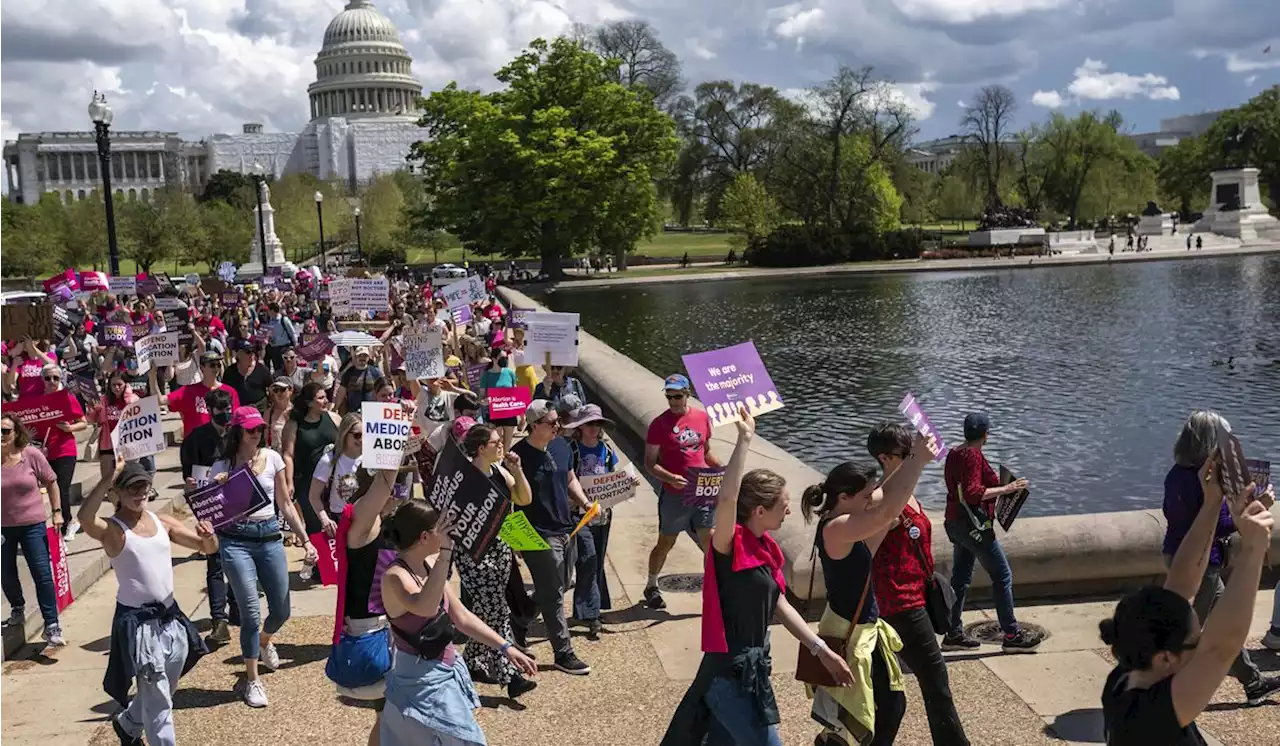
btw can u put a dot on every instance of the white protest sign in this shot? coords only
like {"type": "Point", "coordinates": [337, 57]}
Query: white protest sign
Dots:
{"type": "Point", "coordinates": [124, 285]}
{"type": "Point", "coordinates": [551, 334]}
{"type": "Point", "coordinates": [610, 489]}
{"type": "Point", "coordinates": [475, 287]}
{"type": "Point", "coordinates": [424, 354]}
{"type": "Point", "coordinates": [457, 294]}
{"type": "Point", "coordinates": [159, 349]}
{"type": "Point", "coordinates": [169, 303]}
{"type": "Point", "coordinates": [139, 432]}
{"type": "Point", "coordinates": [387, 427]}
{"type": "Point", "coordinates": [369, 294]}
{"type": "Point", "coordinates": [340, 296]}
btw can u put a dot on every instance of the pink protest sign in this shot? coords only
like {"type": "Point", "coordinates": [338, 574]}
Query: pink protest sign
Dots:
{"type": "Point", "coordinates": [314, 347]}
{"type": "Point", "coordinates": [326, 557]}
{"type": "Point", "coordinates": [94, 281]}
{"type": "Point", "coordinates": [910, 408]}
{"type": "Point", "coordinates": [61, 569]}
{"type": "Point", "coordinates": [508, 401]}
{"type": "Point", "coordinates": [65, 279]}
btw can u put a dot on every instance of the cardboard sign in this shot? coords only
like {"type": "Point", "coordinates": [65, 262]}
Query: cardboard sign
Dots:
{"type": "Point", "coordinates": [124, 285]}
{"type": "Point", "coordinates": [725, 378]}
{"type": "Point", "coordinates": [27, 320]}
{"type": "Point", "coordinates": [224, 503]}
{"type": "Point", "coordinates": [704, 485]}
{"type": "Point", "coordinates": [369, 295]}
{"type": "Point", "coordinates": [1007, 506]}
{"type": "Point", "coordinates": [552, 338]}
{"type": "Point", "coordinates": [116, 334]}
{"type": "Point", "coordinates": [139, 432]}
{"type": "Point", "coordinates": [910, 408]}
{"type": "Point", "coordinates": [315, 348]}
{"type": "Point", "coordinates": [387, 427]}
{"type": "Point", "coordinates": [476, 289]}
{"type": "Point", "coordinates": [610, 489]}
{"type": "Point", "coordinates": [424, 354]}
{"type": "Point", "coordinates": [472, 502]}
{"type": "Point", "coordinates": [159, 349]}
{"type": "Point", "coordinates": [507, 402]}
{"type": "Point", "coordinates": [61, 568]}
{"type": "Point", "coordinates": [517, 533]}
{"type": "Point", "coordinates": [326, 557]}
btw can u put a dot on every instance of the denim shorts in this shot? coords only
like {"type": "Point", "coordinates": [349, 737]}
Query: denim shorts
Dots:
{"type": "Point", "coordinates": [674, 517]}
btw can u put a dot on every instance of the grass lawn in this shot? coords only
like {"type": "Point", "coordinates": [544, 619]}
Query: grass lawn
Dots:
{"type": "Point", "coordinates": [700, 246]}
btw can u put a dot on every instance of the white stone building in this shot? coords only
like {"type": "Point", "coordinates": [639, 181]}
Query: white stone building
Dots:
{"type": "Point", "coordinates": [935, 156]}
{"type": "Point", "coordinates": [363, 122]}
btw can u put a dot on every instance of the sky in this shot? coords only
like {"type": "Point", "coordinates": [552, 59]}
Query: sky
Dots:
{"type": "Point", "coordinates": [200, 67]}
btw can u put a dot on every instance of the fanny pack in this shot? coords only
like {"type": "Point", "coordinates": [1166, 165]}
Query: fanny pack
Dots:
{"type": "Point", "coordinates": [431, 640]}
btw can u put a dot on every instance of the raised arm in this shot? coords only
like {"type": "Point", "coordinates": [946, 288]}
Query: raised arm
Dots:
{"type": "Point", "coordinates": [727, 501]}
{"type": "Point", "coordinates": [1186, 571]}
{"type": "Point", "coordinates": [887, 502]}
{"type": "Point", "coordinates": [94, 526]}
{"type": "Point", "coordinates": [364, 518]}
{"type": "Point", "coordinates": [424, 601]}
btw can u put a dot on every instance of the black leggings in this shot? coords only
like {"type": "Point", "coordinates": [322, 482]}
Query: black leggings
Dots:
{"type": "Point", "coordinates": [891, 706]}
{"type": "Point", "coordinates": [64, 468]}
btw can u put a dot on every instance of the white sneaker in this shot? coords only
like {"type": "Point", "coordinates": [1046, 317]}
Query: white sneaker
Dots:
{"type": "Point", "coordinates": [255, 694]}
{"type": "Point", "coordinates": [53, 636]}
{"type": "Point", "coordinates": [73, 528]}
{"type": "Point", "coordinates": [268, 656]}
{"type": "Point", "coordinates": [1271, 640]}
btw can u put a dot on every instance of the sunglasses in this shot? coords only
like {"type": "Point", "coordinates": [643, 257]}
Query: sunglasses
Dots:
{"type": "Point", "coordinates": [53, 378]}
{"type": "Point", "coordinates": [6, 431]}
{"type": "Point", "coordinates": [259, 430]}
{"type": "Point", "coordinates": [675, 397]}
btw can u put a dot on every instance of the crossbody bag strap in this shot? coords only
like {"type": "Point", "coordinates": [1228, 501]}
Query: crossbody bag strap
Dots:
{"type": "Point", "coordinates": [924, 562]}
{"type": "Point", "coordinates": [853, 623]}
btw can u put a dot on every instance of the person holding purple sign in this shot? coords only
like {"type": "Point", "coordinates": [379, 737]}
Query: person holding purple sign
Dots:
{"type": "Point", "coordinates": [252, 548]}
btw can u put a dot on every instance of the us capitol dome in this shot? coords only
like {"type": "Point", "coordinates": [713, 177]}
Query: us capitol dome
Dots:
{"type": "Point", "coordinates": [363, 122]}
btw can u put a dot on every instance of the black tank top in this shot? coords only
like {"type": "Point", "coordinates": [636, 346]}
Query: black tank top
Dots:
{"type": "Point", "coordinates": [361, 564]}
{"type": "Point", "coordinates": [308, 446]}
{"type": "Point", "coordinates": [845, 579]}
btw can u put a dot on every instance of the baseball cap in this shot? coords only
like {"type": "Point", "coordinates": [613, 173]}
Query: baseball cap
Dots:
{"type": "Point", "coordinates": [210, 357]}
{"type": "Point", "coordinates": [357, 352]}
{"type": "Point", "coordinates": [132, 473]}
{"type": "Point", "coordinates": [537, 410]}
{"type": "Point", "coordinates": [461, 426]}
{"type": "Point", "coordinates": [976, 425]}
{"type": "Point", "coordinates": [466, 400]}
{"type": "Point", "coordinates": [247, 418]}
{"type": "Point", "coordinates": [676, 382]}
{"type": "Point", "coordinates": [243, 345]}
{"type": "Point", "coordinates": [283, 382]}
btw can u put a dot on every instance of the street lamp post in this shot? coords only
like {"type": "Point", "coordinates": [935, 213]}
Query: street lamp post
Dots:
{"type": "Point", "coordinates": [101, 115]}
{"type": "Point", "coordinates": [359, 244]}
{"type": "Point", "coordinates": [259, 178]}
{"type": "Point", "coordinates": [324, 260]}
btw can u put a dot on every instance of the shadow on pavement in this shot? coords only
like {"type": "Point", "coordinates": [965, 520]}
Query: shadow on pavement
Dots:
{"type": "Point", "coordinates": [196, 699]}
{"type": "Point", "coordinates": [641, 613]}
{"type": "Point", "coordinates": [1078, 726]}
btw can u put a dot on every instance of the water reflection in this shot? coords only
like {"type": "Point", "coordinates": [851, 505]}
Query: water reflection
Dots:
{"type": "Point", "coordinates": [1087, 372]}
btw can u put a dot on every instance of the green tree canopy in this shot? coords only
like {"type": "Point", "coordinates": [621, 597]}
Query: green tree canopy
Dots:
{"type": "Point", "coordinates": [747, 210]}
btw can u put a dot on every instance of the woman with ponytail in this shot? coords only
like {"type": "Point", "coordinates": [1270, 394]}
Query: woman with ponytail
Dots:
{"type": "Point", "coordinates": [854, 514]}
{"type": "Point", "coordinates": [731, 699]}
{"type": "Point", "coordinates": [430, 697]}
{"type": "Point", "coordinates": [1167, 669]}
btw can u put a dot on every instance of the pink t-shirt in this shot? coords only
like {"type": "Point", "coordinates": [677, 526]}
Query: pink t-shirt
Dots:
{"type": "Point", "coordinates": [28, 368]}
{"type": "Point", "coordinates": [21, 503]}
{"type": "Point", "coordinates": [189, 402]}
{"type": "Point", "coordinates": [56, 443]}
{"type": "Point", "coordinates": [681, 440]}
{"type": "Point", "coordinates": [107, 415]}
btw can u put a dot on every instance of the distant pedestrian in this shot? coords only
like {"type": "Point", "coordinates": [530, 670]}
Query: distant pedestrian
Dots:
{"type": "Point", "coordinates": [684, 260]}
{"type": "Point", "coordinates": [1199, 242]}
{"type": "Point", "coordinates": [1111, 247]}
{"type": "Point", "coordinates": [1188, 242]}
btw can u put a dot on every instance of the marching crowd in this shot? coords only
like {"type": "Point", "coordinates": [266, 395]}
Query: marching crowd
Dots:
{"type": "Point", "coordinates": [254, 390]}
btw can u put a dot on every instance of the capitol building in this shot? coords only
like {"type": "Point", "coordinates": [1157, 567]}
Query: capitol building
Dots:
{"type": "Point", "coordinates": [363, 122]}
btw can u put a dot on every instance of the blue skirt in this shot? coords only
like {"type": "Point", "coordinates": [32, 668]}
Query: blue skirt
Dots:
{"type": "Point", "coordinates": [430, 703]}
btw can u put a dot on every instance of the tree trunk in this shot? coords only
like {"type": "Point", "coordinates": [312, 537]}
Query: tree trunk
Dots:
{"type": "Point", "coordinates": [549, 252]}
{"type": "Point", "coordinates": [620, 258]}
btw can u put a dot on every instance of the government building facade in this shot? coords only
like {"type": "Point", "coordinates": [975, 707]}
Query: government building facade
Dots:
{"type": "Point", "coordinates": [363, 123]}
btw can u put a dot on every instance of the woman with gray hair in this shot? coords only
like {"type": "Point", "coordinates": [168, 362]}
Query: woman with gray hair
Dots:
{"type": "Point", "coordinates": [1183, 496]}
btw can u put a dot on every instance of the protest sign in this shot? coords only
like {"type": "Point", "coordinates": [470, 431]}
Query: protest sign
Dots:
{"type": "Point", "coordinates": [551, 338]}
{"type": "Point", "coordinates": [147, 285]}
{"type": "Point", "coordinates": [115, 334]}
{"type": "Point", "coordinates": [1259, 474]}
{"type": "Point", "coordinates": [505, 402]}
{"type": "Point", "coordinates": [520, 535]}
{"type": "Point", "coordinates": [192, 279]}
{"type": "Point", "coordinates": [1233, 475]}
{"type": "Point", "coordinates": [725, 378]}
{"type": "Point", "coordinates": [610, 489]}
{"type": "Point", "coordinates": [424, 354]}
{"type": "Point", "coordinates": [139, 432]}
{"type": "Point", "coordinates": [340, 296]}
{"type": "Point", "coordinates": [703, 488]}
{"type": "Point", "coordinates": [124, 285]}
{"type": "Point", "coordinates": [476, 290]}
{"type": "Point", "coordinates": [61, 568]}
{"type": "Point", "coordinates": [457, 297]}
{"type": "Point", "coordinates": [1007, 506]}
{"type": "Point", "coordinates": [227, 271]}
{"type": "Point", "coordinates": [41, 412]}
{"type": "Point", "coordinates": [387, 427]}
{"type": "Point", "coordinates": [169, 303]}
{"type": "Point", "coordinates": [224, 503]}
{"type": "Point", "coordinates": [519, 317]}
{"type": "Point", "coordinates": [65, 279]}
{"type": "Point", "coordinates": [85, 388]}
{"type": "Point", "coordinates": [160, 349]}
{"type": "Point", "coordinates": [474, 374]}
{"type": "Point", "coordinates": [466, 497]}
{"type": "Point", "coordinates": [910, 408]}
{"type": "Point", "coordinates": [315, 348]}
{"type": "Point", "coordinates": [369, 295]}
{"type": "Point", "coordinates": [27, 320]}
{"type": "Point", "coordinates": [230, 298]}
{"type": "Point", "coordinates": [326, 557]}
{"type": "Point", "coordinates": [461, 315]}
{"type": "Point", "coordinates": [139, 330]}
{"type": "Point", "coordinates": [94, 281]}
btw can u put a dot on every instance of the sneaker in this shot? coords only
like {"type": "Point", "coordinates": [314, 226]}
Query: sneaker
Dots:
{"type": "Point", "coordinates": [268, 656]}
{"type": "Point", "coordinates": [53, 636]}
{"type": "Point", "coordinates": [569, 663]}
{"type": "Point", "coordinates": [1021, 641]}
{"type": "Point", "coordinates": [69, 533]}
{"type": "Point", "coordinates": [960, 641]}
{"type": "Point", "coordinates": [255, 694]}
{"type": "Point", "coordinates": [1272, 639]}
{"type": "Point", "coordinates": [17, 617]}
{"type": "Point", "coordinates": [593, 629]}
{"type": "Point", "coordinates": [123, 735]}
{"type": "Point", "coordinates": [1261, 689]}
{"type": "Point", "coordinates": [653, 598]}
{"type": "Point", "coordinates": [221, 633]}
{"type": "Point", "coordinates": [520, 685]}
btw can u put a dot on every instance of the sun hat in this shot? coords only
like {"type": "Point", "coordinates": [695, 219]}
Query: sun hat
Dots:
{"type": "Point", "coordinates": [587, 414]}
{"type": "Point", "coordinates": [247, 418]}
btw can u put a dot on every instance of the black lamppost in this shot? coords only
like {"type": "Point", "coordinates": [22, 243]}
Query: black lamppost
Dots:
{"type": "Point", "coordinates": [101, 115]}
{"type": "Point", "coordinates": [359, 244]}
{"type": "Point", "coordinates": [324, 260]}
{"type": "Point", "coordinates": [259, 178]}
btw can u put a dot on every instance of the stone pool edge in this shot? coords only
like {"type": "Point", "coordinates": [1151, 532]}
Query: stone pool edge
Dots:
{"type": "Point", "coordinates": [1051, 556]}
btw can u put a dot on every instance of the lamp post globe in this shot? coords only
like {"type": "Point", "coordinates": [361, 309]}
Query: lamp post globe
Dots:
{"type": "Point", "coordinates": [101, 115]}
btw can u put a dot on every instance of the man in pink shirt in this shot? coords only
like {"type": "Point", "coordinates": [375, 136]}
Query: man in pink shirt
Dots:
{"type": "Point", "coordinates": [189, 402]}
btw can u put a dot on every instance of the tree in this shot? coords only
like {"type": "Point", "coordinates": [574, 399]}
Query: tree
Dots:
{"type": "Point", "coordinates": [381, 211]}
{"type": "Point", "coordinates": [31, 241]}
{"type": "Point", "coordinates": [747, 210]}
{"type": "Point", "coordinates": [161, 229]}
{"type": "Point", "coordinates": [643, 62]}
{"type": "Point", "coordinates": [231, 187]}
{"type": "Point", "coordinates": [956, 199]}
{"type": "Point", "coordinates": [543, 162]}
{"type": "Point", "coordinates": [986, 126]}
{"type": "Point", "coordinates": [229, 233]}
{"type": "Point", "coordinates": [84, 232]}
{"type": "Point", "coordinates": [1182, 175]}
{"type": "Point", "coordinates": [297, 225]}
{"type": "Point", "coordinates": [1250, 136]}
{"type": "Point", "coordinates": [1080, 145]}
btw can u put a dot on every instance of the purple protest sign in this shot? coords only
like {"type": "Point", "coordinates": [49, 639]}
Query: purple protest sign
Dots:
{"type": "Point", "coordinates": [315, 348]}
{"type": "Point", "coordinates": [703, 486]}
{"type": "Point", "coordinates": [519, 318]}
{"type": "Point", "coordinates": [725, 378]}
{"type": "Point", "coordinates": [910, 408]}
{"type": "Point", "coordinates": [230, 298]}
{"type": "Point", "coordinates": [461, 314]}
{"type": "Point", "coordinates": [116, 335]}
{"type": "Point", "coordinates": [474, 374]}
{"type": "Point", "coordinates": [224, 503]}
{"type": "Point", "coordinates": [147, 286]}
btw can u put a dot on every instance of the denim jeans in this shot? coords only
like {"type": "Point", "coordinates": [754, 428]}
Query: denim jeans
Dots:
{"type": "Point", "coordinates": [34, 541]}
{"type": "Point", "coordinates": [921, 653]}
{"type": "Point", "coordinates": [549, 571]}
{"type": "Point", "coordinates": [591, 590]}
{"type": "Point", "coordinates": [1243, 669]}
{"type": "Point", "coordinates": [734, 718]}
{"type": "Point", "coordinates": [1275, 612]}
{"type": "Point", "coordinates": [150, 711]}
{"type": "Point", "coordinates": [993, 561]}
{"type": "Point", "coordinates": [220, 593]}
{"type": "Point", "coordinates": [248, 561]}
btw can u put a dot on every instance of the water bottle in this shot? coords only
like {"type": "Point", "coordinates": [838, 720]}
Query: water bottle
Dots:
{"type": "Point", "coordinates": [305, 573]}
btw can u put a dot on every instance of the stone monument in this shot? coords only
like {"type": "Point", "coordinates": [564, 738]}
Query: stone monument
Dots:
{"type": "Point", "coordinates": [1236, 208]}
{"type": "Point", "coordinates": [275, 250]}
{"type": "Point", "coordinates": [1154, 222]}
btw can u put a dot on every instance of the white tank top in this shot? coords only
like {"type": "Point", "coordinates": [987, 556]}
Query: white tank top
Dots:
{"type": "Point", "coordinates": [144, 568]}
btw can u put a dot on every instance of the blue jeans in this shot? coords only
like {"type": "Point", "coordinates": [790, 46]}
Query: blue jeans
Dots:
{"type": "Point", "coordinates": [34, 541]}
{"type": "Point", "coordinates": [1275, 612]}
{"type": "Point", "coordinates": [591, 589]}
{"type": "Point", "coordinates": [993, 561]}
{"type": "Point", "coordinates": [219, 592]}
{"type": "Point", "coordinates": [249, 560]}
{"type": "Point", "coordinates": [734, 718]}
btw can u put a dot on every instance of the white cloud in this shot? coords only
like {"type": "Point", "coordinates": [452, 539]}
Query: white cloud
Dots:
{"type": "Point", "coordinates": [1094, 82]}
{"type": "Point", "coordinates": [1238, 64]}
{"type": "Point", "coordinates": [912, 96]}
{"type": "Point", "coordinates": [968, 11]}
{"type": "Point", "coordinates": [1047, 99]}
{"type": "Point", "coordinates": [796, 22]}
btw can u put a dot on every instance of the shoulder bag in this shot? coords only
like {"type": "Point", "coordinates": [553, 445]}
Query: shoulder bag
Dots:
{"type": "Point", "coordinates": [939, 597]}
{"type": "Point", "coordinates": [809, 668]}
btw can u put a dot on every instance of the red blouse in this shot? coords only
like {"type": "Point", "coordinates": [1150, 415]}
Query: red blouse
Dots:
{"type": "Point", "coordinates": [900, 575]}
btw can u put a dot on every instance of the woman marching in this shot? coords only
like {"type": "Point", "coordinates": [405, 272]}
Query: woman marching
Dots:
{"type": "Point", "coordinates": [731, 700]}
{"type": "Point", "coordinates": [430, 698]}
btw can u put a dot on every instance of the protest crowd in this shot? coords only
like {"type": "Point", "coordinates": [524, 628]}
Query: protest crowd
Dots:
{"type": "Point", "coordinates": [422, 442]}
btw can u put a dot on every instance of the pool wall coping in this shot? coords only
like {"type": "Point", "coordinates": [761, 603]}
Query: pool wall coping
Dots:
{"type": "Point", "coordinates": [1051, 556]}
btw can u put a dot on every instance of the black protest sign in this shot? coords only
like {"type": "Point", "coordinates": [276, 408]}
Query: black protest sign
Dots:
{"type": "Point", "coordinates": [1007, 506]}
{"type": "Point", "coordinates": [465, 496]}
{"type": "Point", "coordinates": [27, 320]}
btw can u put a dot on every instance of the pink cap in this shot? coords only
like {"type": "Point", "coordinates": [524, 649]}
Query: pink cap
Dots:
{"type": "Point", "coordinates": [247, 418]}
{"type": "Point", "coordinates": [461, 426]}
